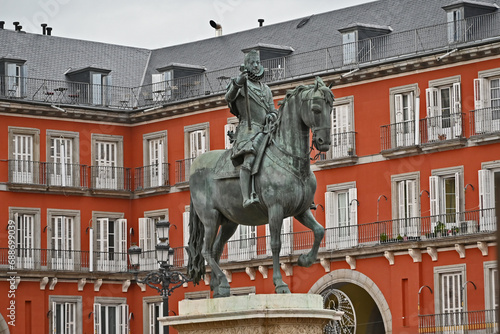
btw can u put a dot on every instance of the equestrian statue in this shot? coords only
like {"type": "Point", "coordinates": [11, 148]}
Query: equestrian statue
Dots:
{"type": "Point", "coordinates": [264, 178]}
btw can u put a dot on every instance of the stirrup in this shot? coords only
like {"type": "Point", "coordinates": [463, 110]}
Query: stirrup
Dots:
{"type": "Point", "coordinates": [254, 199]}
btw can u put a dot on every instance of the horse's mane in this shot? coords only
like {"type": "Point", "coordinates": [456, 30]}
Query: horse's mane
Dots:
{"type": "Point", "coordinates": [327, 93]}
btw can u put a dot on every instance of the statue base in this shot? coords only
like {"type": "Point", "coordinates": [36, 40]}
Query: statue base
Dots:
{"type": "Point", "coordinates": [259, 314]}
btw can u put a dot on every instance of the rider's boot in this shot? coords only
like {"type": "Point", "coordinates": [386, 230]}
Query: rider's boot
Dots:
{"type": "Point", "coordinates": [245, 182]}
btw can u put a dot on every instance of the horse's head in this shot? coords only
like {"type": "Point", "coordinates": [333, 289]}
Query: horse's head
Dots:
{"type": "Point", "coordinates": [316, 110]}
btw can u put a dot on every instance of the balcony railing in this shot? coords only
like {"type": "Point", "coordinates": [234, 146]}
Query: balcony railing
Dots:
{"type": "Point", "coordinates": [182, 170]}
{"type": "Point", "coordinates": [152, 176]}
{"type": "Point", "coordinates": [485, 121]}
{"type": "Point", "coordinates": [47, 174]}
{"type": "Point", "coordinates": [471, 322]}
{"type": "Point", "coordinates": [110, 178]}
{"type": "Point", "coordinates": [441, 128]}
{"type": "Point", "coordinates": [442, 37]}
{"type": "Point", "coordinates": [343, 145]}
{"type": "Point", "coordinates": [397, 135]}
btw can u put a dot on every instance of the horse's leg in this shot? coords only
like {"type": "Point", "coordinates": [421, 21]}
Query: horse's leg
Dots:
{"type": "Point", "coordinates": [219, 282]}
{"type": "Point", "coordinates": [226, 231]}
{"type": "Point", "coordinates": [275, 222]}
{"type": "Point", "coordinates": [307, 219]}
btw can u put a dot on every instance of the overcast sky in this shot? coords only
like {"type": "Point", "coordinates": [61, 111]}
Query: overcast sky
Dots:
{"type": "Point", "coordinates": [153, 24]}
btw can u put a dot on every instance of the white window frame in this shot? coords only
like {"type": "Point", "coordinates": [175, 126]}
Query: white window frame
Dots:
{"type": "Point", "coordinates": [189, 131]}
{"type": "Point", "coordinates": [100, 94]}
{"type": "Point", "coordinates": [155, 154]}
{"type": "Point", "coordinates": [350, 47]}
{"type": "Point", "coordinates": [231, 125]}
{"type": "Point", "coordinates": [439, 303]}
{"type": "Point", "coordinates": [490, 285]}
{"type": "Point", "coordinates": [122, 314]}
{"type": "Point", "coordinates": [185, 233]}
{"type": "Point", "coordinates": [162, 86]}
{"type": "Point", "coordinates": [486, 119]}
{"type": "Point", "coordinates": [439, 125]}
{"type": "Point", "coordinates": [342, 136]}
{"type": "Point", "coordinates": [72, 306]}
{"type": "Point", "coordinates": [63, 161]}
{"type": "Point", "coordinates": [403, 134]}
{"type": "Point", "coordinates": [28, 258]}
{"type": "Point", "coordinates": [23, 170]}
{"type": "Point", "coordinates": [64, 258]}
{"type": "Point", "coordinates": [340, 237]}
{"type": "Point", "coordinates": [151, 325]}
{"type": "Point", "coordinates": [15, 78]}
{"type": "Point", "coordinates": [107, 173]}
{"type": "Point", "coordinates": [487, 200]}
{"type": "Point", "coordinates": [100, 243]}
{"type": "Point", "coordinates": [404, 187]}
{"type": "Point", "coordinates": [456, 24]}
{"type": "Point", "coordinates": [437, 196]}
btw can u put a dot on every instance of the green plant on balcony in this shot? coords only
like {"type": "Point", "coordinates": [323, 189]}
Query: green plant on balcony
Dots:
{"type": "Point", "coordinates": [439, 229]}
{"type": "Point", "coordinates": [399, 238]}
{"type": "Point", "coordinates": [383, 237]}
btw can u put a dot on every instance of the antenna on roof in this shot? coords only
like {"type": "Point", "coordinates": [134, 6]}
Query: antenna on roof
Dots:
{"type": "Point", "coordinates": [217, 27]}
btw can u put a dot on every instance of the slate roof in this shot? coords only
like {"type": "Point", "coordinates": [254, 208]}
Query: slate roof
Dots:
{"type": "Point", "coordinates": [50, 57]}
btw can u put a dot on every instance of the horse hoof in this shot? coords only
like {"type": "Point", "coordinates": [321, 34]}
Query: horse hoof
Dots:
{"type": "Point", "coordinates": [304, 261]}
{"type": "Point", "coordinates": [282, 289]}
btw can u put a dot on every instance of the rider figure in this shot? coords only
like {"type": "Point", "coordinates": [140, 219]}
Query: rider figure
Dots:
{"type": "Point", "coordinates": [252, 102]}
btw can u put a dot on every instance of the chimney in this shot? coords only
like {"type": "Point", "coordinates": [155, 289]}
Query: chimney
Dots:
{"type": "Point", "coordinates": [16, 25]}
{"type": "Point", "coordinates": [261, 22]}
{"type": "Point", "coordinates": [2, 23]}
{"type": "Point", "coordinates": [44, 28]}
{"type": "Point", "coordinates": [217, 27]}
{"type": "Point", "coordinates": [49, 31]}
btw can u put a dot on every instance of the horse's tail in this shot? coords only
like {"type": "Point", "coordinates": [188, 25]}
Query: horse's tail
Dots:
{"type": "Point", "coordinates": [196, 262]}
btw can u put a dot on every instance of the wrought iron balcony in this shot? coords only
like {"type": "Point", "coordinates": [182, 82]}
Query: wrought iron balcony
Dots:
{"type": "Point", "coordinates": [485, 121]}
{"type": "Point", "coordinates": [389, 47]}
{"type": "Point", "coordinates": [110, 178]}
{"type": "Point", "coordinates": [471, 322]}
{"type": "Point", "coordinates": [397, 135]}
{"type": "Point", "coordinates": [182, 170]}
{"type": "Point", "coordinates": [343, 145]}
{"type": "Point", "coordinates": [26, 172]}
{"type": "Point", "coordinates": [152, 176]}
{"type": "Point", "coordinates": [442, 128]}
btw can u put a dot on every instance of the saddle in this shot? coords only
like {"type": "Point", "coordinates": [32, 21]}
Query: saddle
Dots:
{"type": "Point", "coordinates": [224, 168]}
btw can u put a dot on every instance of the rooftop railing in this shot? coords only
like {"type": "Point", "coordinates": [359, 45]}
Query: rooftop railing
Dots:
{"type": "Point", "coordinates": [388, 47]}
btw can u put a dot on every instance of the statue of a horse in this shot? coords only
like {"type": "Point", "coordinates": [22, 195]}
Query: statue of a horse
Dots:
{"type": "Point", "coordinates": [285, 185]}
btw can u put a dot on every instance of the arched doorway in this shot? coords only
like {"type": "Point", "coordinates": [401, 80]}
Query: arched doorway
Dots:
{"type": "Point", "coordinates": [4, 328]}
{"type": "Point", "coordinates": [371, 310]}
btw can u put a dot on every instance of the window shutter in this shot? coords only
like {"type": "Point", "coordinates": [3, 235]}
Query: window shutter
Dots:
{"type": "Point", "coordinates": [97, 318]}
{"type": "Point", "coordinates": [480, 102]}
{"type": "Point", "coordinates": [123, 319]}
{"type": "Point", "coordinates": [457, 110]}
{"type": "Point", "coordinates": [329, 209]}
{"type": "Point", "coordinates": [434, 197]}
{"type": "Point", "coordinates": [411, 107]}
{"type": "Point", "coordinates": [412, 198]}
{"type": "Point", "coordinates": [54, 318]}
{"type": "Point", "coordinates": [70, 309]}
{"type": "Point", "coordinates": [185, 230]}
{"type": "Point", "coordinates": [432, 112]}
{"type": "Point", "coordinates": [121, 240]}
{"type": "Point", "coordinates": [401, 200]}
{"type": "Point", "coordinates": [485, 198]}
{"type": "Point", "coordinates": [353, 202]}
{"type": "Point", "coordinates": [227, 128]}
{"type": "Point", "coordinates": [458, 191]}
{"type": "Point", "coordinates": [398, 107]}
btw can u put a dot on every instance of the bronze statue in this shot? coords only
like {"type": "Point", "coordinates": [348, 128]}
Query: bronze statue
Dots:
{"type": "Point", "coordinates": [252, 102]}
{"type": "Point", "coordinates": [285, 184]}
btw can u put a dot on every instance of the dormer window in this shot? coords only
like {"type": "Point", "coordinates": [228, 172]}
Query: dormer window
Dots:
{"type": "Point", "coordinates": [458, 14]}
{"type": "Point", "coordinates": [359, 42]}
{"type": "Point", "coordinates": [176, 81]}
{"type": "Point", "coordinates": [14, 72]}
{"type": "Point", "coordinates": [98, 90]}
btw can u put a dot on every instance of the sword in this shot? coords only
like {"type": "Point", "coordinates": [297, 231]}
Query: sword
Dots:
{"type": "Point", "coordinates": [247, 101]}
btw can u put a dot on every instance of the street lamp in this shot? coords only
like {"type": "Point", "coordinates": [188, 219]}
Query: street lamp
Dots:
{"type": "Point", "coordinates": [164, 280]}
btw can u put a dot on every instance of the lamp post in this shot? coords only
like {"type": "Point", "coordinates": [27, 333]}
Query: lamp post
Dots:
{"type": "Point", "coordinates": [164, 280]}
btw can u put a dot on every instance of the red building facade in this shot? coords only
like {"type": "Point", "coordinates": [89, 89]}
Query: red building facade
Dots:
{"type": "Point", "coordinates": [408, 193]}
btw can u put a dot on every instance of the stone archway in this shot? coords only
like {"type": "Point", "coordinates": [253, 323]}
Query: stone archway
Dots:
{"type": "Point", "coordinates": [347, 276]}
{"type": "Point", "coordinates": [4, 328]}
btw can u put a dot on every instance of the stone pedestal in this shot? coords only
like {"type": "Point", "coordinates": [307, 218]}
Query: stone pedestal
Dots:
{"type": "Point", "coordinates": [259, 314]}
